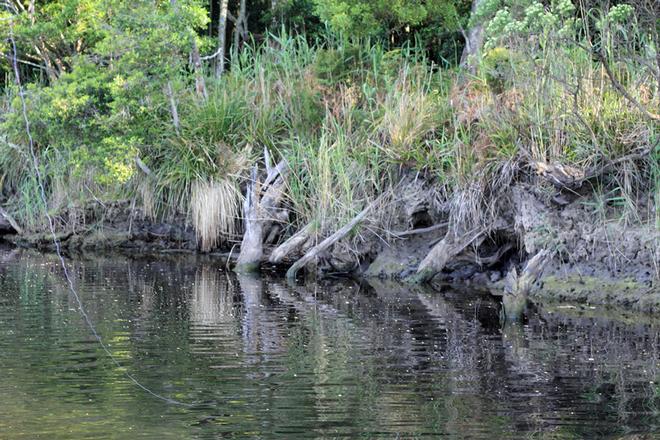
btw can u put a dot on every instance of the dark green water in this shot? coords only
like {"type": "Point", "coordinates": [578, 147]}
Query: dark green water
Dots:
{"type": "Point", "coordinates": [336, 360]}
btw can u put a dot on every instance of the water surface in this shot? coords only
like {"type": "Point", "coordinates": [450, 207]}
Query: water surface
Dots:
{"type": "Point", "coordinates": [257, 359]}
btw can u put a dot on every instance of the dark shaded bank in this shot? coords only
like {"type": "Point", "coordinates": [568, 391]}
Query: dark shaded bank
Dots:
{"type": "Point", "coordinates": [580, 255]}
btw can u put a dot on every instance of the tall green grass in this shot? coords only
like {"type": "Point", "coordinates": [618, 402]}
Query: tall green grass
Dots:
{"type": "Point", "coordinates": [349, 117]}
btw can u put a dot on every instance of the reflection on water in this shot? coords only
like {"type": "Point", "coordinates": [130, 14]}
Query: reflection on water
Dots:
{"type": "Point", "coordinates": [260, 359]}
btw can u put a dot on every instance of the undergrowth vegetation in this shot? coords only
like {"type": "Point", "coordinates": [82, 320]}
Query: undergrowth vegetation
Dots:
{"type": "Point", "coordinates": [348, 116]}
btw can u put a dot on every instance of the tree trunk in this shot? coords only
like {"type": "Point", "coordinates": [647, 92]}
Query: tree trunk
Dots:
{"type": "Point", "coordinates": [252, 244]}
{"type": "Point", "coordinates": [240, 26]}
{"type": "Point", "coordinates": [474, 40]}
{"type": "Point", "coordinates": [200, 84]}
{"type": "Point", "coordinates": [222, 38]}
{"type": "Point", "coordinates": [259, 211]}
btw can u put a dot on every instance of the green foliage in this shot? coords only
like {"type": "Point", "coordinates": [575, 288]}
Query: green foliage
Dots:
{"type": "Point", "coordinates": [510, 18]}
{"type": "Point", "coordinates": [344, 110]}
{"type": "Point", "coordinates": [377, 17]}
{"type": "Point", "coordinates": [433, 24]}
{"type": "Point", "coordinates": [498, 66]}
{"type": "Point", "coordinates": [119, 55]}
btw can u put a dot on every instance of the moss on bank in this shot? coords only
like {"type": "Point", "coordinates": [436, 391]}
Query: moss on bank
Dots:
{"type": "Point", "coordinates": [627, 293]}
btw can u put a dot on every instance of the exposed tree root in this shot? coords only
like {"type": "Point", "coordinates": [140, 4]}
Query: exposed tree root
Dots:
{"type": "Point", "coordinates": [260, 209]}
{"type": "Point", "coordinates": [419, 231]}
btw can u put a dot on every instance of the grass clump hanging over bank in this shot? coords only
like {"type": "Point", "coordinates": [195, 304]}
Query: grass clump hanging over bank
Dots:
{"type": "Point", "coordinates": [553, 89]}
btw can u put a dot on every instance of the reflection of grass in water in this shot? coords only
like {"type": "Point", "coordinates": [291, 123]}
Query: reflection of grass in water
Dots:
{"type": "Point", "coordinates": [326, 351]}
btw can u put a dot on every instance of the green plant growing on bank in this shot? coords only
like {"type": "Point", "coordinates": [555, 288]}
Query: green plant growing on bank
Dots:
{"type": "Point", "coordinates": [348, 115]}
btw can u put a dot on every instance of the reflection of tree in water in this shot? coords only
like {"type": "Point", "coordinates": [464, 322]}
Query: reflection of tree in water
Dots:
{"type": "Point", "coordinates": [335, 358]}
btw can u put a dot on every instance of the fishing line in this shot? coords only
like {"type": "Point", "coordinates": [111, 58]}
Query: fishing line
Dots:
{"type": "Point", "coordinates": [51, 225]}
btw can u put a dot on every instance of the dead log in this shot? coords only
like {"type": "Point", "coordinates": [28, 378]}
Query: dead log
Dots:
{"type": "Point", "coordinates": [292, 244]}
{"type": "Point", "coordinates": [325, 244]}
{"type": "Point", "coordinates": [259, 211]}
{"type": "Point", "coordinates": [446, 249]}
{"type": "Point", "coordinates": [10, 225]}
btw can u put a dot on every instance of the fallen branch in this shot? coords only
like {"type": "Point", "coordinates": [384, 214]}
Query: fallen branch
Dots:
{"type": "Point", "coordinates": [292, 244]}
{"type": "Point", "coordinates": [325, 244]}
{"type": "Point", "coordinates": [446, 249]}
{"type": "Point", "coordinates": [11, 221]}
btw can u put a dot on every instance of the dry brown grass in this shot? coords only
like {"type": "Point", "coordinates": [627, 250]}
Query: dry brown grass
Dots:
{"type": "Point", "coordinates": [215, 207]}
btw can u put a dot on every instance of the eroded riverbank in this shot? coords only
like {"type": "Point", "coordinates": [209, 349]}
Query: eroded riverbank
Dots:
{"type": "Point", "coordinates": [412, 237]}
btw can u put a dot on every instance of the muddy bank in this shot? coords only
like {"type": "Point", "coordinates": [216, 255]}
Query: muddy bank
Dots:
{"type": "Point", "coordinates": [121, 228]}
{"type": "Point", "coordinates": [579, 256]}
{"type": "Point", "coordinates": [416, 235]}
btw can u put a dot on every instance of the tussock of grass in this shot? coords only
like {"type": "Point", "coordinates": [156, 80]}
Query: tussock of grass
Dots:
{"type": "Point", "coordinates": [215, 210]}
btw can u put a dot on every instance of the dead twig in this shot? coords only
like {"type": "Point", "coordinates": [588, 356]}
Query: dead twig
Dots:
{"type": "Point", "coordinates": [622, 90]}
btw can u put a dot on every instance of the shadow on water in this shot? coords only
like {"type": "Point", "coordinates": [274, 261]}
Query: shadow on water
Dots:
{"type": "Point", "coordinates": [260, 359]}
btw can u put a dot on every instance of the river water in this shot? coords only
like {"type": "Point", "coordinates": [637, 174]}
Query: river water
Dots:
{"type": "Point", "coordinates": [254, 358]}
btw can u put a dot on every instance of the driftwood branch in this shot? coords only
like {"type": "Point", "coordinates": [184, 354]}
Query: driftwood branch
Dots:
{"type": "Point", "coordinates": [292, 244]}
{"type": "Point", "coordinates": [325, 244]}
{"type": "Point", "coordinates": [446, 249]}
{"type": "Point", "coordinates": [11, 221]}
